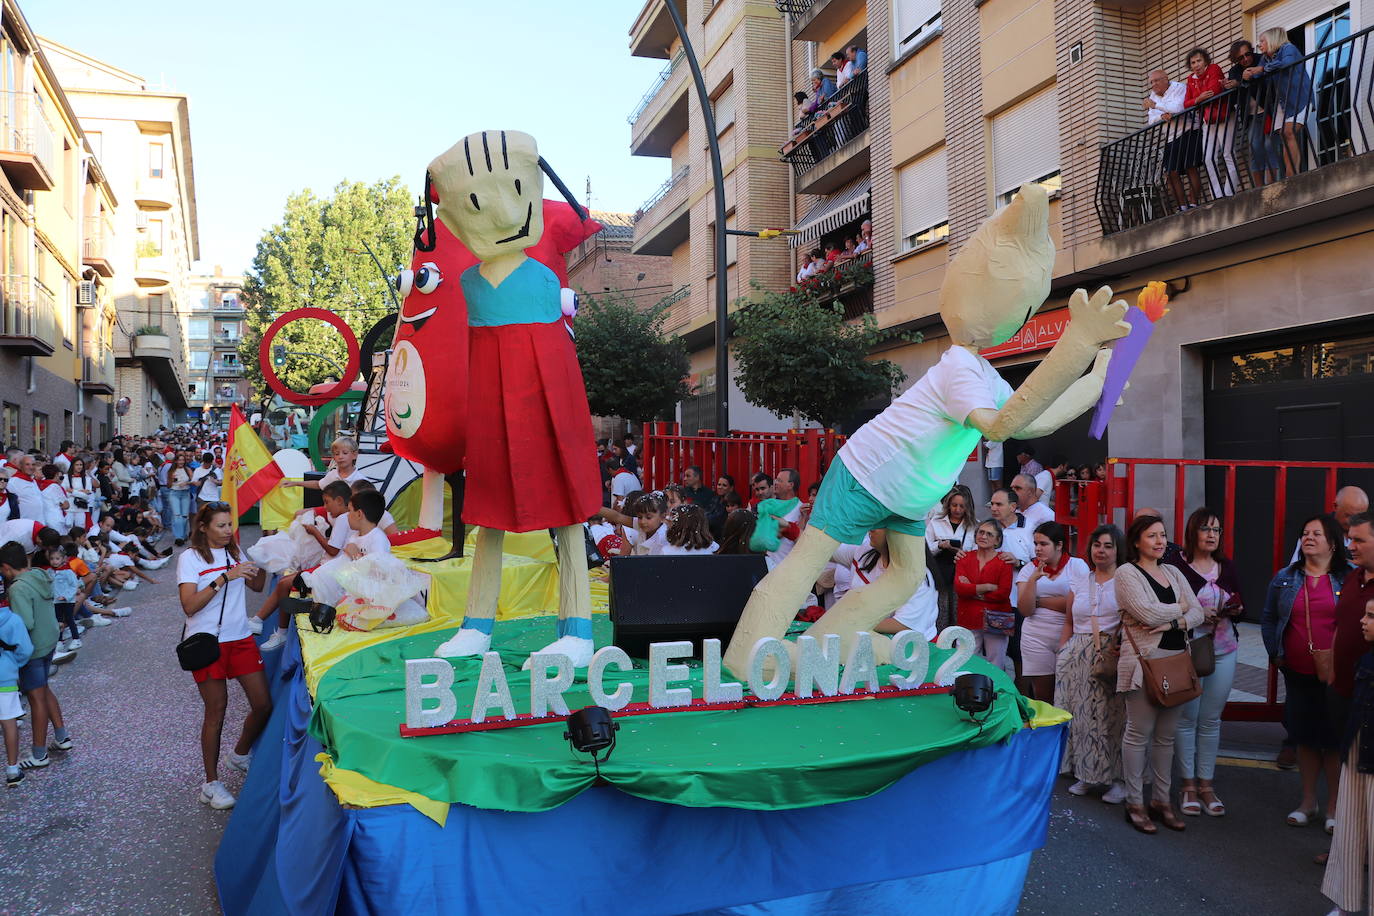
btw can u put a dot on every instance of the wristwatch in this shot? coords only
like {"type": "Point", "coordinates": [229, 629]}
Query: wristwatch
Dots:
{"type": "Point", "coordinates": [217, 582]}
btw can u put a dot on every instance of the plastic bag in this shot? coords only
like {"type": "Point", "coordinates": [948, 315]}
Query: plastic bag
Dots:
{"type": "Point", "coordinates": [380, 579]}
{"type": "Point", "coordinates": [274, 553]}
{"type": "Point", "coordinates": [309, 552]}
{"type": "Point", "coordinates": [293, 548]}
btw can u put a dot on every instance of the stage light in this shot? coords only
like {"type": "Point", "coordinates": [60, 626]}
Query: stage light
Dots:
{"type": "Point", "coordinates": [592, 730]}
{"type": "Point", "coordinates": [322, 617]}
{"type": "Point", "coordinates": [974, 694]}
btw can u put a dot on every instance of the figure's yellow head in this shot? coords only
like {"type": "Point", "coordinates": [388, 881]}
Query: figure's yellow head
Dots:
{"type": "Point", "coordinates": [1002, 274]}
{"type": "Point", "coordinates": [490, 192]}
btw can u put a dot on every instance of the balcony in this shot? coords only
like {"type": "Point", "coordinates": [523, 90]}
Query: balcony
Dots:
{"type": "Point", "coordinates": [653, 32]}
{"type": "Point", "coordinates": [833, 148]}
{"type": "Point", "coordinates": [152, 268]}
{"type": "Point", "coordinates": [665, 219]}
{"type": "Point", "coordinates": [817, 20]}
{"type": "Point", "coordinates": [98, 372]}
{"type": "Point", "coordinates": [229, 307]}
{"type": "Point", "coordinates": [850, 282]}
{"type": "Point", "coordinates": [28, 322]}
{"type": "Point", "coordinates": [96, 245]}
{"type": "Point", "coordinates": [154, 193]}
{"type": "Point", "coordinates": [660, 118]}
{"type": "Point", "coordinates": [1326, 170]}
{"type": "Point", "coordinates": [28, 143]}
{"type": "Point", "coordinates": [228, 369]}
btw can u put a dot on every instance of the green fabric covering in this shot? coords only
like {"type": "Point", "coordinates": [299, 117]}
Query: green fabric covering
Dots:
{"type": "Point", "coordinates": [765, 537]}
{"type": "Point", "coordinates": [769, 758]}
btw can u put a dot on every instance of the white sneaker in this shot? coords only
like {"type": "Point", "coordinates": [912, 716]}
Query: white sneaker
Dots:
{"type": "Point", "coordinates": [255, 625]}
{"type": "Point", "coordinates": [216, 796]}
{"type": "Point", "coordinates": [274, 642]}
{"type": "Point", "coordinates": [101, 621]}
{"type": "Point", "coordinates": [73, 644]}
{"type": "Point", "coordinates": [1116, 794]}
{"type": "Point", "coordinates": [130, 585]}
{"type": "Point", "coordinates": [121, 611]}
{"type": "Point", "coordinates": [154, 564]}
{"type": "Point", "coordinates": [62, 655]}
{"type": "Point", "coordinates": [1080, 788]}
{"type": "Point", "coordinates": [240, 762]}
{"type": "Point", "coordinates": [84, 623]}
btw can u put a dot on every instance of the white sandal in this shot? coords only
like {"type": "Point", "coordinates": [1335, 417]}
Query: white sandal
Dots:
{"type": "Point", "coordinates": [1301, 818]}
{"type": "Point", "coordinates": [1330, 826]}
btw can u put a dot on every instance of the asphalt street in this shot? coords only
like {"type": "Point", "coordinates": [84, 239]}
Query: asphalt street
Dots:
{"type": "Point", "coordinates": [114, 825]}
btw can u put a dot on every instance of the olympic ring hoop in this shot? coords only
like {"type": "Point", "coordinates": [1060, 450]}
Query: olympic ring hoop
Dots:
{"type": "Point", "coordinates": [350, 368]}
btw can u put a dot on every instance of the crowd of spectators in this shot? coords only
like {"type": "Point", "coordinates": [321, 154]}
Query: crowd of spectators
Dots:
{"type": "Point", "coordinates": [845, 65]}
{"type": "Point", "coordinates": [835, 253]}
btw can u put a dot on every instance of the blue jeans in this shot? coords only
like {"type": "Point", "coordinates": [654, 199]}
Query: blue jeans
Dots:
{"type": "Point", "coordinates": [164, 507]}
{"type": "Point", "coordinates": [1199, 728]}
{"type": "Point", "coordinates": [181, 508]}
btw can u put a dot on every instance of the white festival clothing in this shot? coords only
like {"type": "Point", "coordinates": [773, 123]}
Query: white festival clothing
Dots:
{"type": "Point", "coordinates": [785, 544]}
{"type": "Point", "coordinates": [342, 530]}
{"type": "Point", "coordinates": [672, 550]}
{"type": "Point", "coordinates": [1041, 632]}
{"type": "Point", "coordinates": [919, 612]}
{"type": "Point", "coordinates": [909, 455]}
{"type": "Point", "coordinates": [1171, 101]}
{"type": "Point", "coordinates": [22, 530]}
{"type": "Point", "coordinates": [1094, 599]}
{"type": "Point", "coordinates": [192, 568]}
{"type": "Point", "coordinates": [1037, 515]}
{"type": "Point", "coordinates": [1044, 480]}
{"type": "Point", "coordinates": [31, 504]}
{"type": "Point", "coordinates": [993, 454]}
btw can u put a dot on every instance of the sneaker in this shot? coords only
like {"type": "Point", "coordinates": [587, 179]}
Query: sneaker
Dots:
{"type": "Point", "coordinates": [1116, 794]}
{"type": "Point", "coordinates": [62, 744]}
{"type": "Point", "coordinates": [34, 763]}
{"type": "Point", "coordinates": [101, 622]}
{"type": "Point", "coordinates": [275, 641]}
{"type": "Point", "coordinates": [177, 543]}
{"type": "Point", "coordinates": [240, 762]}
{"type": "Point", "coordinates": [12, 780]}
{"type": "Point", "coordinates": [62, 655]}
{"type": "Point", "coordinates": [216, 796]}
{"type": "Point", "coordinates": [119, 612]}
{"type": "Point", "coordinates": [74, 643]}
{"type": "Point", "coordinates": [255, 625]}
{"type": "Point", "coordinates": [130, 585]}
{"type": "Point", "coordinates": [85, 623]}
{"type": "Point", "coordinates": [1080, 788]}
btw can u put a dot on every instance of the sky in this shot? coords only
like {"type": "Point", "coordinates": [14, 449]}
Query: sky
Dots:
{"type": "Point", "coordinates": [299, 94]}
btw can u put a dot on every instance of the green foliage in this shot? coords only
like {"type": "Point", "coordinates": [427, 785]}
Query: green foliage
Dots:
{"type": "Point", "coordinates": [316, 257]}
{"type": "Point", "coordinates": [630, 368]}
{"type": "Point", "coordinates": [147, 248]}
{"type": "Point", "coordinates": [150, 330]}
{"type": "Point", "coordinates": [797, 355]}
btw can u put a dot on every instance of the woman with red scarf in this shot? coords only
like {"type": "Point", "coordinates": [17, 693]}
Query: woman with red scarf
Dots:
{"type": "Point", "coordinates": [1205, 81]}
{"type": "Point", "coordinates": [1042, 597]}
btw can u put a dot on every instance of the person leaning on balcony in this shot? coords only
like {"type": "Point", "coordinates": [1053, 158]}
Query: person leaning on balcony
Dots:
{"type": "Point", "coordinates": [844, 68]}
{"type": "Point", "coordinates": [858, 57]}
{"type": "Point", "coordinates": [1264, 156]}
{"type": "Point", "coordinates": [1218, 124]}
{"type": "Point", "coordinates": [865, 240]}
{"type": "Point", "coordinates": [1183, 151]}
{"type": "Point", "coordinates": [822, 89]}
{"type": "Point", "coordinates": [1289, 91]}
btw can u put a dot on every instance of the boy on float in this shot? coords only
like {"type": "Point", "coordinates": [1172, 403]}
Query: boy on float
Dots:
{"type": "Point", "coordinates": [336, 503]}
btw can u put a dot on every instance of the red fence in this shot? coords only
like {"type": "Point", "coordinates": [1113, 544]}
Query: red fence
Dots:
{"type": "Point", "coordinates": [666, 453]}
{"type": "Point", "coordinates": [1083, 506]}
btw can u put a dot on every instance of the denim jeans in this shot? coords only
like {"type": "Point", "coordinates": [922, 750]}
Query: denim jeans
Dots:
{"type": "Point", "coordinates": [164, 507]}
{"type": "Point", "coordinates": [181, 508]}
{"type": "Point", "coordinates": [1199, 728]}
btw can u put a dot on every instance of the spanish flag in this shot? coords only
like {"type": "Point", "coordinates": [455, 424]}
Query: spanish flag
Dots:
{"type": "Point", "coordinates": [251, 476]}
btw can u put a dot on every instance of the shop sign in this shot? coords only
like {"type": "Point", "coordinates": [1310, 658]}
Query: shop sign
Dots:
{"type": "Point", "coordinates": [1040, 333]}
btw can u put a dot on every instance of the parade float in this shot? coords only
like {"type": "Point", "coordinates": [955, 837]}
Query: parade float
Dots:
{"type": "Point", "coordinates": [505, 755]}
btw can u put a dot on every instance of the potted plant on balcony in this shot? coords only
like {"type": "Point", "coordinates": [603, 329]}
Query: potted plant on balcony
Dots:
{"type": "Point", "coordinates": [151, 337]}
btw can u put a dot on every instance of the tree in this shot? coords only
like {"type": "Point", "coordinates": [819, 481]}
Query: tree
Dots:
{"type": "Point", "coordinates": [797, 355]}
{"type": "Point", "coordinates": [316, 257]}
{"type": "Point", "coordinates": [630, 368]}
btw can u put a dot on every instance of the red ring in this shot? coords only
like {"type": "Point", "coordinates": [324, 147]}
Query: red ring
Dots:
{"type": "Point", "coordinates": [350, 368]}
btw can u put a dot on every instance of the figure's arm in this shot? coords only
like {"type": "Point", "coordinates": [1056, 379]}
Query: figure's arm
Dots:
{"type": "Point", "coordinates": [1076, 400]}
{"type": "Point", "coordinates": [1092, 322]}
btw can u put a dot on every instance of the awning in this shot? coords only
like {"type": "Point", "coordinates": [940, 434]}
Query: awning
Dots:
{"type": "Point", "coordinates": [844, 206]}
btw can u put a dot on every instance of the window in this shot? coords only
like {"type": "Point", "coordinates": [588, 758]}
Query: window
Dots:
{"type": "Point", "coordinates": [914, 22]}
{"type": "Point", "coordinates": [230, 301]}
{"type": "Point", "coordinates": [731, 242]}
{"type": "Point", "coordinates": [198, 328]}
{"type": "Point", "coordinates": [1025, 144]}
{"type": "Point", "coordinates": [155, 236]}
{"type": "Point", "coordinates": [86, 432]}
{"type": "Point", "coordinates": [923, 200]}
{"type": "Point", "coordinates": [200, 359]}
{"type": "Point", "coordinates": [724, 107]}
{"type": "Point", "coordinates": [155, 160]}
{"type": "Point", "coordinates": [155, 309]}
{"type": "Point", "coordinates": [1319, 360]}
{"type": "Point", "coordinates": [1053, 183]}
{"type": "Point", "coordinates": [40, 431]}
{"type": "Point", "coordinates": [11, 421]}
{"type": "Point", "coordinates": [68, 426]}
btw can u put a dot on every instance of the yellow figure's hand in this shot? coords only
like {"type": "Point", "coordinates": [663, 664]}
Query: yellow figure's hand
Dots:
{"type": "Point", "coordinates": [1096, 320]}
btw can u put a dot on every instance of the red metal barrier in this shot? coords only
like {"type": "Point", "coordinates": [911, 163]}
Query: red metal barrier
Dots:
{"type": "Point", "coordinates": [667, 453]}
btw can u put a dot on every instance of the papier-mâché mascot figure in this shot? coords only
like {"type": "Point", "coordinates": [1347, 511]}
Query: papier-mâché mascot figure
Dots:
{"type": "Point", "coordinates": [899, 464]}
{"type": "Point", "coordinates": [530, 459]}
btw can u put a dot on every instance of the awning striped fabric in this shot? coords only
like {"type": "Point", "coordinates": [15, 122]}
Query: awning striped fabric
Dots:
{"type": "Point", "coordinates": [844, 206]}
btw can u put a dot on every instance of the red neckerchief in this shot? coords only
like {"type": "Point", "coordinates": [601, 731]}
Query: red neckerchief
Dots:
{"type": "Point", "coordinates": [1053, 571]}
{"type": "Point", "coordinates": [44, 484]}
{"type": "Point", "coordinates": [21, 476]}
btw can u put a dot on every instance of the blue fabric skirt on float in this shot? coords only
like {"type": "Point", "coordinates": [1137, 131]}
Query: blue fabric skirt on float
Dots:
{"type": "Point", "coordinates": [953, 836]}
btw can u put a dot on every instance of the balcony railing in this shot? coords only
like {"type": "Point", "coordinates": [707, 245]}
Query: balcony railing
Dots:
{"type": "Point", "coordinates": [655, 87]}
{"type": "Point", "coordinates": [223, 368]}
{"type": "Point", "coordinates": [794, 9]}
{"type": "Point", "coordinates": [677, 295]}
{"type": "Point", "coordinates": [98, 371]}
{"type": "Point", "coordinates": [850, 281]}
{"type": "Point", "coordinates": [1304, 117]}
{"type": "Point", "coordinates": [677, 178]}
{"type": "Point", "coordinates": [844, 118]}
{"type": "Point", "coordinates": [25, 129]}
{"type": "Point", "coordinates": [27, 318]}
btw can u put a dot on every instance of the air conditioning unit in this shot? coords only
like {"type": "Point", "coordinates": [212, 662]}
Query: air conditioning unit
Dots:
{"type": "Point", "coordinates": [85, 293]}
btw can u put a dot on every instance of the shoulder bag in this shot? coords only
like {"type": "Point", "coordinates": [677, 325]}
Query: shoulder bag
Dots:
{"type": "Point", "coordinates": [1203, 649]}
{"type": "Point", "coordinates": [199, 650]}
{"type": "Point", "coordinates": [1169, 681]}
{"type": "Point", "coordinates": [1324, 660]}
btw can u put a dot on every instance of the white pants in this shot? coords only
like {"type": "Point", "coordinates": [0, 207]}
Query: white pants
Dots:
{"type": "Point", "coordinates": [1219, 138]}
{"type": "Point", "coordinates": [1148, 738]}
{"type": "Point", "coordinates": [1352, 849]}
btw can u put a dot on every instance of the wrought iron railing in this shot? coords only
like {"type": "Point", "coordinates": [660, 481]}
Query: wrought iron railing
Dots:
{"type": "Point", "coordinates": [1316, 112]}
{"type": "Point", "coordinates": [655, 88]}
{"type": "Point", "coordinates": [843, 119]}
{"type": "Point", "coordinates": [676, 179]}
{"type": "Point", "coordinates": [27, 310]}
{"type": "Point", "coordinates": [677, 295]}
{"type": "Point", "coordinates": [794, 9]}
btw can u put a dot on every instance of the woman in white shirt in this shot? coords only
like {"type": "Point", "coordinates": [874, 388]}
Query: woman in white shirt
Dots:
{"type": "Point", "coordinates": [1093, 620]}
{"type": "Point", "coordinates": [1042, 598]}
{"type": "Point", "coordinates": [949, 533]}
{"type": "Point", "coordinates": [206, 480]}
{"type": "Point", "coordinates": [211, 582]}
{"type": "Point", "coordinates": [81, 487]}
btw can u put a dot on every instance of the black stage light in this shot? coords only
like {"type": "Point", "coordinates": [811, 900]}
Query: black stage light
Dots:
{"type": "Point", "coordinates": [974, 694]}
{"type": "Point", "coordinates": [322, 617]}
{"type": "Point", "coordinates": [592, 730]}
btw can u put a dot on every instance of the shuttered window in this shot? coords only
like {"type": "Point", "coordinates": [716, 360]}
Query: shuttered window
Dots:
{"type": "Point", "coordinates": [923, 199]}
{"type": "Point", "coordinates": [913, 21]}
{"type": "Point", "coordinates": [1025, 143]}
{"type": "Point", "coordinates": [1290, 14]}
{"type": "Point", "coordinates": [724, 107]}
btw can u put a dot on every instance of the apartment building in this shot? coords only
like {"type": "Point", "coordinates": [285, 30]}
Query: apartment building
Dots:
{"type": "Point", "coordinates": [214, 326]}
{"type": "Point", "coordinates": [743, 51]}
{"type": "Point", "coordinates": [54, 309]}
{"type": "Point", "coordinates": [142, 138]}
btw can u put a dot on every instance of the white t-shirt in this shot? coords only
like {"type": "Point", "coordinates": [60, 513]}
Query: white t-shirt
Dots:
{"type": "Point", "coordinates": [1094, 599]}
{"type": "Point", "coordinates": [22, 530]}
{"type": "Point", "coordinates": [206, 482]}
{"type": "Point", "coordinates": [374, 542]}
{"type": "Point", "coordinates": [31, 503]}
{"type": "Point", "coordinates": [192, 568]}
{"type": "Point", "coordinates": [1037, 515]}
{"type": "Point", "coordinates": [342, 530]}
{"type": "Point", "coordinates": [993, 454]}
{"type": "Point", "coordinates": [1018, 542]}
{"type": "Point", "coordinates": [909, 455]}
{"type": "Point", "coordinates": [623, 484]}
{"type": "Point", "coordinates": [53, 498]}
{"type": "Point", "coordinates": [642, 546]}
{"type": "Point", "coordinates": [1045, 481]}
{"type": "Point", "coordinates": [672, 550]}
{"type": "Point", "coordinates": [333, 474]}
{"type": "Point", "coordinates": [1058, 587]}
{"type": "Point", "coordinates": [919, 612]}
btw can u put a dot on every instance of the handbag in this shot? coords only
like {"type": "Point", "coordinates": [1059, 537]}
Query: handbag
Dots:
{"type": "Point", "coordinates": [200, 650]}
{"type": "Point", "coordinates": [1169, 681]}
{"type": "Point", "coordinates": [1324, 660]}
{"type": "Point", "coordinates": [1107, 654]}
{"type": "Point", "coordinates": [999, 621]}
{"type": "Point", "coordinates": [1203, 649]}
